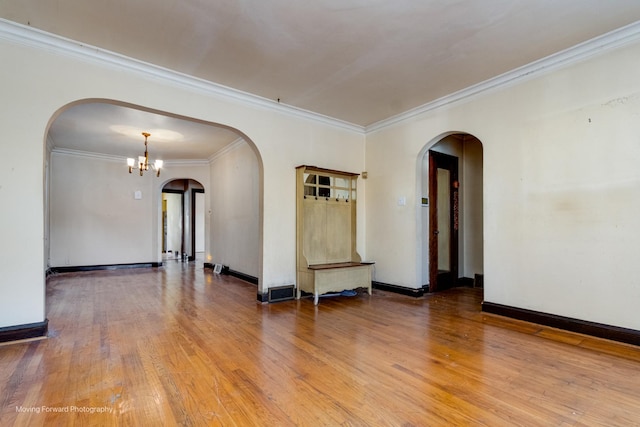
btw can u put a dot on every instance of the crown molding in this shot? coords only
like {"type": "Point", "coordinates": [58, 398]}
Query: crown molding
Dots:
{"type": "Point", "coordinates": [226, 149]}
{"type": "Point", "coordinates": [606, 42]}
{"type": "Point", "coordinates": [34, 37]}
{"type": "Point", "coordinates": [87, 154]}
{"type": "Point", "coordinates": [122, 159]}
{"type": "Point", "coordinates": [186, 162]}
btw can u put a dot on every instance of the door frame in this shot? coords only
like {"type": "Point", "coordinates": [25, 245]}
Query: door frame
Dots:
{"type": "Point", "coordinates": [182, 214]}
{"type": "Point", "coordinates": [439, 281]}
{"type": "Point", "coordinates": [194, 191]}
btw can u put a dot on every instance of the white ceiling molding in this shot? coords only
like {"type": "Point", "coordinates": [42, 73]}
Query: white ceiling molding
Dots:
{"type": "Point", "coordinates": [91, 155]}
{"type": "Point", "coordinates": [226, 149]}
{"type": "Point", "coordinates": [186, 162]}
{"type": "Point", "coordinates": [122, 159]}
{"type": "Point", "coordinates": [580, 52]}
{"type": "Point", "coordinates": [33, 37]}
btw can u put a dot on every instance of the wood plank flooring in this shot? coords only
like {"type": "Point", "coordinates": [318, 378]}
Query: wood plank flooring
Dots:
{"type": "Point", "coordinates": [182, 346]}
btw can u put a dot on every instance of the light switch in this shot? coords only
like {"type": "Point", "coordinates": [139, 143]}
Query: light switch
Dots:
{"type": "Point", "coordinates": [137, 195]}
{"type": "Point", "coordinates": [402, 201]}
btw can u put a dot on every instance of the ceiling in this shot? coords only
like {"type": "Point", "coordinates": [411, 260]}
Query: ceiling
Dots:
{"type": "Point", "coordinates": [359, 61]}
{"type": "Point", "coordinates": [116, 130]}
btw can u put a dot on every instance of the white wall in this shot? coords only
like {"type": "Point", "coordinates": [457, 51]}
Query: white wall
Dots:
{"type": "Point", "coordinates": [235, 207]}
{"type": "Point", "coordinates": [472, 211]}
{"type": "Point", "coordinates": [200, 221]}
{"type": "Point", "coordinates": [561, 185]}
{"type": "Point", "coordinates": [94, 217]}
{"type": "Point", "coordinates": [40, 82]}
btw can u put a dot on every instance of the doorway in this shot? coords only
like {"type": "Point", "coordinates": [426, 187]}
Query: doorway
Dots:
{"type": "Point", "coordinates": [182, 220]}
{"type": "Point", "coordinates": [452, 213]}
{"type": "Point", "coordinates": [444, 220]}
{"type": "Point", "coordinates": [172, 223]}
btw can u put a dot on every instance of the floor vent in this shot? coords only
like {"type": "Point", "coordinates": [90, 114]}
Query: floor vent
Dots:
{"type": "Point", "coordinates": [281, 293]}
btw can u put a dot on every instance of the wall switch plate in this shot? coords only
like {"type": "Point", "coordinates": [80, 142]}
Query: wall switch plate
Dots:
{"type": "Point", "coordinates": [402, 201]}
{"type": "Point", "coordinates": [137, 195]}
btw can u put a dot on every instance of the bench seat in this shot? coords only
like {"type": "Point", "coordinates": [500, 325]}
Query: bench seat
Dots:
{"type": "Point", "coordinates": [319, 279]}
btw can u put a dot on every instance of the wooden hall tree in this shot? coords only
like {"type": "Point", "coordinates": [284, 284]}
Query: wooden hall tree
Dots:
{"type": "Point", "coordinates": [327, 260]}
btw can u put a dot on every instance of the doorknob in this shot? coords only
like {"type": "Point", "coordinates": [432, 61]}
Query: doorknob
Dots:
{"type": "Point", "coordinates": [436, 232]}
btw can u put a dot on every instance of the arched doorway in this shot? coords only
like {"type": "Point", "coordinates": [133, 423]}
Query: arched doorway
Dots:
{"type": "Point", "coordinates": [100, 215]}
{"type": "Point", "coordinates": [452, 212]}
{"type": "Point", "coordinates": [183, 220]}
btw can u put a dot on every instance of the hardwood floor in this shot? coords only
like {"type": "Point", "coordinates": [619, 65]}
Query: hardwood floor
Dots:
{"type": "Point", "coordinates": [181, 346]}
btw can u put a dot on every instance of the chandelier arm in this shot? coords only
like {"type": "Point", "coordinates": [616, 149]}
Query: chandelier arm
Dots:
{"type": "Point", "coordinates": [143, 162]}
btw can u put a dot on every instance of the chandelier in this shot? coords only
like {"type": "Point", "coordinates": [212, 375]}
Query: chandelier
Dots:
{"type": "Point", "coordinates": [143, 161]}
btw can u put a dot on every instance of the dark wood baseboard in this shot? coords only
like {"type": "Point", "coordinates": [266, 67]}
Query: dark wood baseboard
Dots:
{"type": "Point", "coordinates": [23, 332]}
{"type": "Point", "coordinates": [74, 269]}
{"type": "Point", "coordinates": [239, 275]}
{"type": "Point", "coordinates": [614, 333]}
{"type": "Point", "coordinates": [467, 282]}
{"type": "Point", "coordinates": [398, 289]}
{"type": "Point", "coordinates": [230, 272]}
{"type": "Point", "coordinates": [413, 292]}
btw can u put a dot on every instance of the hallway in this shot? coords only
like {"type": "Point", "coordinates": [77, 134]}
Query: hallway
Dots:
{"type": "Point", "coordinates": [179, 345]}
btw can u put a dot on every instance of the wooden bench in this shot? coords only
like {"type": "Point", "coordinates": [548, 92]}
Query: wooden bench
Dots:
{"type": "Point", "coordinates": [334, 277]}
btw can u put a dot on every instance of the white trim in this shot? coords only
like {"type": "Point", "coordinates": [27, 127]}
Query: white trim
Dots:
{"type": "Point", "coordinates": [123, 160]}
{"type": "Point", "coordinates": [227, 148]}
{"type": "Point", "coordinates": [87, 154]}
{"type": "Point", "coordinates": [185, 162]}
{"type": "Point", "coordinates": [34, 37]}
{"type": "Point", "coordinates": [577, 53]}
{"type": "Point", "coordinates": [49, 145]}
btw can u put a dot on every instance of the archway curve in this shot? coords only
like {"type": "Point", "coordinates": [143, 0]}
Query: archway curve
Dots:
{"type": "Point", "coordinates": [471, 241]}
{"type": "Point", "coordinates": [56, 114]}
{"type": "Point", "coordinates": [48, 145]}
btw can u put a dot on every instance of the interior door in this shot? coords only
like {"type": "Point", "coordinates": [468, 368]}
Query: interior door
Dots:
{"type": "Point", "coordinates": [443, 221]}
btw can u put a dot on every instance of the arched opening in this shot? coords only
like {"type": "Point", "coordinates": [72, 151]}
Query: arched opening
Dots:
{"type": "Point", "coordinates": [451, 217]}
{"type": "Point", "coordinates": [97, 214]}
{"type": "Point", "coordinates": [183, 220]}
